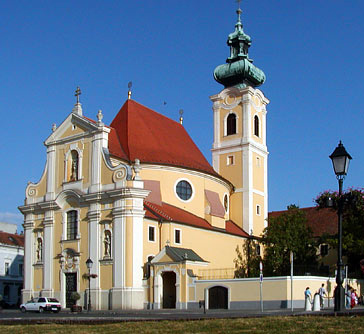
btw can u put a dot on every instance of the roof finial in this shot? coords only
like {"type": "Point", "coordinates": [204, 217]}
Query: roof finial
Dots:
{"type": "Point", "coordinates": [129, 89]}
{"type": "Point", "coordinates": [77, 94]}
{"type": "Point", "coordinates": [77, 109]}
{"type": "Point", "coordinates": [180, 116]}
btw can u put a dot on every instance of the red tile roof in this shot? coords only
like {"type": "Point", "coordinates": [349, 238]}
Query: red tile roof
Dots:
{"type": "Point", "coordinates": [172, 213]}
{"type": "Point", "coordinates": [153, 138]}
{"type": "Point", "coordinates": [321, 221]}
{"type": "Point", "coordinates": [11, 239]}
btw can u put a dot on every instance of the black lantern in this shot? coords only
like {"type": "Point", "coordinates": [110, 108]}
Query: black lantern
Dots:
{"type": "Point", "coordinates": [340, 160]}
{"type": "Point", "coordinates": [89, 264]}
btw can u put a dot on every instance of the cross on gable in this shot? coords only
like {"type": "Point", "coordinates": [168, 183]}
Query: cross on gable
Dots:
{"type": "Point", "coordinates": [77, 94]}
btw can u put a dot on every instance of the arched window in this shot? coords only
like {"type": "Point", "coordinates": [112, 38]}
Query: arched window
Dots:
{"type": "Point", "coordinates": [73, 166]}
{"type": "Point", "coordinates": [72, 225]}
{"type": "Point", "coordinates": [231, 125]}
{"type": "Point", "coordinates": [256, 125]}
{"type": "Point", "coordinates": [107, 243]}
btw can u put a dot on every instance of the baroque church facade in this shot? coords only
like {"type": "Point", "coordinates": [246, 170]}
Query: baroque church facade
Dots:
{"type": "Point", "coordinates": [146, 207]}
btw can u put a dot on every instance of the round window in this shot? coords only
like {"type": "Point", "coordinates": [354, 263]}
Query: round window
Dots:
{"type": "Point", "coordinates": [184, 190]}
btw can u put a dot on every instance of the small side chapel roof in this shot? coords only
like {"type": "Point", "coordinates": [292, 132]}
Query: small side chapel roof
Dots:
{"type": "Point", "coordinates": [141, 133]}
{"type": "Point", "coordinates": [181, 254]}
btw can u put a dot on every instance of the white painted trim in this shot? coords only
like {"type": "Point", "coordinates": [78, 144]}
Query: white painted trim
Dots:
{"type": "Point", "coordinates": [237, 127]}
{"type": "Point", "coordinates": [154, 233]}
{"type": "Point", "coordinates": [180, 236]}
{"type": "Point", "coordinates": [65, 222]}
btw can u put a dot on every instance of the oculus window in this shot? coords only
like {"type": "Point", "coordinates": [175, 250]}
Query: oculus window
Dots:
{"type": "Point", "coordinates": [184, 190]}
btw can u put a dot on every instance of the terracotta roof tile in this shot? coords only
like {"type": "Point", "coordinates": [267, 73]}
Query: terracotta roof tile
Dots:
{"type": "Point", "coordinates": [11, 239]}
{"type": "Point", "coordinates": [153, 138]}
{"type": "Point", "coordinates": [321, 221]}
{"type": "Point", "coordinates": [172, 213]}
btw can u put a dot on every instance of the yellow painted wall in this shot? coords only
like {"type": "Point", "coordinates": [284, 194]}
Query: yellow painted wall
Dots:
{"type": "Point", "coordinates": [258, 220]}
{"type": "Point", "coordinates": [233, 173]}
{"type": "Point", "coordinates": [106, 277]}
{"type": "Point", "coordinates": [168, 179]}
{"type": "Point", "coordinates": [150, 248]}
{"type": "Point", "coordinates": [236, 205]}
{"type": "Point", "coordinates": [38, 278]}
{"type": "Point", "coordinates": [258, 172]}
{"type": "Point", "coordinates": [72, 132]}
{"type": "Point", "coordinates": [215, 247]}
{"type": "Point", "coordinates": [106, 173]}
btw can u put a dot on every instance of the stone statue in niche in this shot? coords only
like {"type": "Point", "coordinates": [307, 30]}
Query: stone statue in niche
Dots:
{"type": "Point", "coordinates": [107, 244]}
{"type": "Point", "coordinates": [39, 250]}
{"type": "Point", "coordinates": [74, 166]}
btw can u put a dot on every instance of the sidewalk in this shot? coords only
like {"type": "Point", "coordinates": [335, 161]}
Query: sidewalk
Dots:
{"type": "Point", "coordinates": [98, 317]}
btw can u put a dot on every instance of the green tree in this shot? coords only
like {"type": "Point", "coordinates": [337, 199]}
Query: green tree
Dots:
{"type": "Point", "coordinates": [285, 233]}
{"type": "Point", "coordinates": [353, 224]}
{"type": "Point", "coordinates": [247, 261]}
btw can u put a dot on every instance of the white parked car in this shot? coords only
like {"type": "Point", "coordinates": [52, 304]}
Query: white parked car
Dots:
{"type": "Point", "coordinates": [41, 304]}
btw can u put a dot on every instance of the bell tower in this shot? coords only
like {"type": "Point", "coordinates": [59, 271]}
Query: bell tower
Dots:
{"type": "Point", "coordinates": [239, 151]}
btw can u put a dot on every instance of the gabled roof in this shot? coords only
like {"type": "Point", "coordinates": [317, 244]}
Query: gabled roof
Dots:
{"type": "Point", "coordinates": [11, 239]}
{"type": "Point", "coordinates": [144, 134]}
{"type": "Point", "coordinates": [181, 254]}
{"type": "Point", "coordinates": [172, 213]}
{"type": "Point", "coordinates": [321, 221]}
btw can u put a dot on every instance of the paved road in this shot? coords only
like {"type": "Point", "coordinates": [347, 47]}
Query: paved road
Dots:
{"type": "Point", "coordinates": [12, 316]}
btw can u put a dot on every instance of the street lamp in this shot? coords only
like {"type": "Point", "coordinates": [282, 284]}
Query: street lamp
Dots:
{"type": "Point", "coordinates": [89, 264]}
{"type": "Point", "coordinates": [340, 161]}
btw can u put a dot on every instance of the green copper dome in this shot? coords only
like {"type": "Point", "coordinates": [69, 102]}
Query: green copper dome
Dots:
{"type": "Point", "coordinates": [239, 70]}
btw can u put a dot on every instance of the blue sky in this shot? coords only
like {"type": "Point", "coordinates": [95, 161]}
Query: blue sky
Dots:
{"type": "Point", "coordinates": [311, 52]}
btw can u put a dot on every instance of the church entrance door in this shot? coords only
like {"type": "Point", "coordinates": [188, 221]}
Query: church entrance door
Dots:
{"type": "Point", "coordinates": [71, 286]}
{"type": "Point", "coordinates": [169, 289]}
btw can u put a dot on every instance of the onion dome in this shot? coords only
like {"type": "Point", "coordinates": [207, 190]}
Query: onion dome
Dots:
{"type": "Point", "coordinates": [239, 70]}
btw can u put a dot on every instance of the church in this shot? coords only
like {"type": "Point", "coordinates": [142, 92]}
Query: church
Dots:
{"type": "Point", "coordinates": [131, 214]}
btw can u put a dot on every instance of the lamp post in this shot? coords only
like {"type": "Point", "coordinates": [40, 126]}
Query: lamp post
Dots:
{"type": "Point", "coordinates": [89, 264]}
{"type": "Point", "coordinates": [340, 161]}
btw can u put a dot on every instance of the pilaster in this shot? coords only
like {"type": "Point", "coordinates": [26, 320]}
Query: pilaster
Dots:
{"type": "Point", "coordinates": [51, 173]}
{"type": "Point", "coordinates": [94, 216]}
{"type": "Point", "coordinates": [48, 222]}
{"type": "Point", "coordinates": [27, 292]}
